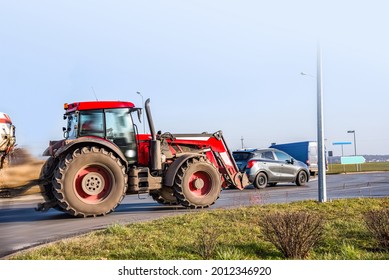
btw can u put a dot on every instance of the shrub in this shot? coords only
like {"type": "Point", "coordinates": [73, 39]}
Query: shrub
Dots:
{"type": "Point", "coordinates": [293, 233]}
{"type": "Point", "coordinates": [206, 241]}
{"type": "Point", "coordinates": [377, 222]}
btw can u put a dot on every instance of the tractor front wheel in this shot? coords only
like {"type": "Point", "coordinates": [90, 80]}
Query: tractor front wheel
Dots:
{"type": "Point", "coordinates": [91, 181]}
{"type": "Point", "coordinates": [197, 184]}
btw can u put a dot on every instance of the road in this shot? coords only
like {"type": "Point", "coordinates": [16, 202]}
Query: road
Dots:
{"type": "Point", "coordinates": [21, 227]}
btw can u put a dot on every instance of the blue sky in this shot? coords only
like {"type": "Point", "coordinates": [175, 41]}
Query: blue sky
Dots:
{"type": "Point", "coordinates": [206, 66]}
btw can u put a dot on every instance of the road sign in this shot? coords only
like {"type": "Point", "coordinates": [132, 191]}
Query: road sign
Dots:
{"type": "Point", "coordinates": [352, 160]}
{"type": "Point", "coordinates": [341, 143]}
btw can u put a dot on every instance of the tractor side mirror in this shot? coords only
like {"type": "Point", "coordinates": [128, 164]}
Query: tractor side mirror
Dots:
{"type": "Point", "coordinates": [139, 113]}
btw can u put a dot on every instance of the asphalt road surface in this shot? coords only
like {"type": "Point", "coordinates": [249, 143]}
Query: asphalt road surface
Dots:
{"type": "Point", "coordinates": [22, 227]}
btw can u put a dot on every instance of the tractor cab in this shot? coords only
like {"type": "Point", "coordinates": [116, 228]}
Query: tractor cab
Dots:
{"type": "Point", "coordinates": [109, 120]}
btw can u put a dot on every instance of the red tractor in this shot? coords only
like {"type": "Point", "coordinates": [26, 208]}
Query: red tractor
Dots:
{"type": "Point", "coordinates": [103, 158]}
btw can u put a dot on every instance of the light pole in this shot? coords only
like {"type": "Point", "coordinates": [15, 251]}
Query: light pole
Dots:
{"type": "Point", "coordinates": [355, 142]}
{"type": "Point", "coordinates": [143, 113]}
{"type": "Point", "coordinates": [320, 132]}
{"type": "Point", "coordinates": [322, 185]}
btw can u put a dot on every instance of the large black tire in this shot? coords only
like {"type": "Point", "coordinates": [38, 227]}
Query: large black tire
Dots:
{"type": "Point", "coordinates": [197, 184]}
{"type": "Point", "coordinates": [302, 178]}
{"type": "Point", "coordinates": [46, 185]}
{"type": "Point", "coordinates": [164, 196]}
{"type": "Point", "coordinates": [260, 181]}
{"type": "Point", "coordinates": [89, 182]}
{"type": "Point", "coordinates": [45, 177]}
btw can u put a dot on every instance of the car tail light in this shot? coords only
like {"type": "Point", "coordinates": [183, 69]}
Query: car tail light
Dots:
{"type": "Point", "coordinates": [250, 163]}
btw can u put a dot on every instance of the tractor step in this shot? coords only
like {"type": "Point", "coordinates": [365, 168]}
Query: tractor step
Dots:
{"type": "Point", "coordinates": [140, 180]}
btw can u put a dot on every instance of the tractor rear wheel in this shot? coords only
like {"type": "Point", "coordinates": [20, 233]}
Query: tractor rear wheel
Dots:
{"type": "Point", "coordinates": [91, 181]}
{"type": "Point", "coordinates": [197, 184]}
{"type": "Point", "coordinates": [164, 196]}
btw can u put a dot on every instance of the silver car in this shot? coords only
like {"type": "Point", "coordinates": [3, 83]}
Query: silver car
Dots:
{"type": "Point", "coordinates": [271, 166]}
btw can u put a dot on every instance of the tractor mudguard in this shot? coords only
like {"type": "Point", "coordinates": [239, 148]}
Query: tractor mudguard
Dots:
{"type": "Point", "coordinates": [85, 141]}
{"type": "Point", "coordinates": [170, 175]}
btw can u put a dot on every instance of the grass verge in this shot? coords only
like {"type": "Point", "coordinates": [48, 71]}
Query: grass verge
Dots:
{"type": "Point", "coordinates": [230, 234]}
{"type": "Point", "coordinates": [353, 168]}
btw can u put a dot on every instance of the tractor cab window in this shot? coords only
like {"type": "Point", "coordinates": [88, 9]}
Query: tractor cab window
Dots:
{"type": "Point", "coordinates": [92, 123]}
{"type": "Point", "coordinates": [71, 130]}
{"type": "Point", "coordinates": [115, 125]}
{"type": "Point", "coordinates": [120, 130]}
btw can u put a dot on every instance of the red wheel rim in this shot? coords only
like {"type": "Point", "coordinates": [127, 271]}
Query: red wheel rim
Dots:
{"type": "Point", "coordinates": [200, 183]}
{"type": "Point", "coordinates": [93, 183]}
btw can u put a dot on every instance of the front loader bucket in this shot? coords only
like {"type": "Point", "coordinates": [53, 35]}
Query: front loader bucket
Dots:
{"type": "Point", "coordinates": [241, 180]}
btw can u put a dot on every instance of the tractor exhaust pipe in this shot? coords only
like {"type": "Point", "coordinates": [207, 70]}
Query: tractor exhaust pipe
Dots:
{"type": "Point", "coordinates": [155, 145]}
{"type": "Point", "coordinates": [150, 119]}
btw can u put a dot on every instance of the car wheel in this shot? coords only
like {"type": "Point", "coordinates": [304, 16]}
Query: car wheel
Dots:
{"type": "Point", "coordinates": [301, 179]}
{"type": "Point", "coordinates": [260, 181]}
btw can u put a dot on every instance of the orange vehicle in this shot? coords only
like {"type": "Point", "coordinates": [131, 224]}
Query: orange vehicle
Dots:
{"type": "Point", "coordinates": [7, 138]}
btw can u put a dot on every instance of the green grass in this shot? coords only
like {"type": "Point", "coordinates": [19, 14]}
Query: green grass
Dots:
{"type": "Point", "coordinates": [236, 231]}
{"type": "Point", "coordinates": [365, 167]}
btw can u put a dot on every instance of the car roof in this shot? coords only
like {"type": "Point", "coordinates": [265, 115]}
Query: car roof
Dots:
{"type": "Point", "coordinates": [246, 150]}
{"type": "Point", "coordinates": [252, 150]}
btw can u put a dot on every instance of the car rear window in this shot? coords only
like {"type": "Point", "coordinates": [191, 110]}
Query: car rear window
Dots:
{"type": "Point", "coordinates": [242, 156]}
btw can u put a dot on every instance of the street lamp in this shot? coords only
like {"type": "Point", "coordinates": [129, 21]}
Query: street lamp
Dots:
{"type": "Point", "coordinates": [144, 124]}
{"type": "Point", "coordinates": [305, 74]}
{"type": "Point", "coordinates": [322, 185]}
{"type": "Point", "coordinates": [355, 142]}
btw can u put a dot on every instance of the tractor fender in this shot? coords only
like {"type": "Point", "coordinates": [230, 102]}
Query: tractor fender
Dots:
{"type": "Point", "coordinates": [175, 166]}
{"type": "Point", "coordinates": [85, 141]}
